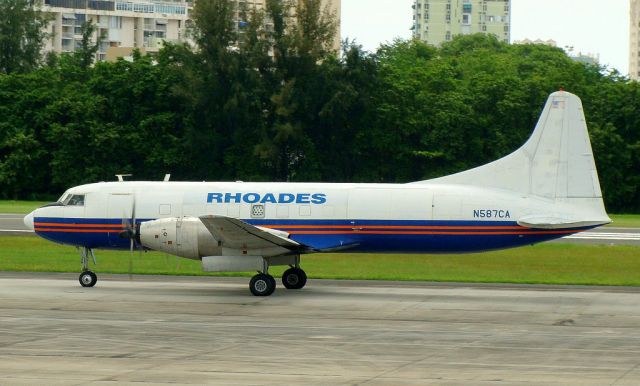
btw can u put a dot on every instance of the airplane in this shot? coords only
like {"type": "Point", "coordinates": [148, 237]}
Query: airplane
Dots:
{"type": "Point", "coordinates": [546, 189]}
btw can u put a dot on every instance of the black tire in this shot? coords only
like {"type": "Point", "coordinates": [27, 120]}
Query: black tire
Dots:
{"type": "Point", "coordinates": [88, 279]}
{"type": "Point", "coordinates": [262, 285]}
{"type": "Point", "coordinates": [294, 278]}
{"type": "Point", "coordinates": [273, 284]}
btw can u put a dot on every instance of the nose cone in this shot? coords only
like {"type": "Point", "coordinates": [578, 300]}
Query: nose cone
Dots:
{"type": "Point", "coordinates": [28, 221]}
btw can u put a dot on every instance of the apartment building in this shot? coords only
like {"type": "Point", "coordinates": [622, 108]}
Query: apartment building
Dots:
{"type": "Point", "coordinates": [128, 24]}
{"type": "Point", "coordinates": [333, 6]}
{"type": "Point", "coordinates": [123, 24]}
{"type": "Point", "coordinates": [437, 21]}
{"type": "Point", "coordinates": [634, 40]}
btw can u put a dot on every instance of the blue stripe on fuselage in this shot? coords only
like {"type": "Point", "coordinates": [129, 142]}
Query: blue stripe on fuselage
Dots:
{"type": "Point", "coordinates": [388, 235]}
{"type": "Point", "coordinates": [384, 235]}
{"type": "Point", "coordinates": [86, 232]}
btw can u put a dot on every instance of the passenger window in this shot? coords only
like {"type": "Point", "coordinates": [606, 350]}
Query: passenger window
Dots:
{"type": "Point", "coordinates": [75, 200]}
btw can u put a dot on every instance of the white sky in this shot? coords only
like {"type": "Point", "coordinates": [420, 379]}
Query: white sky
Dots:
{"type": "Point", "coordinates": [598, 27]}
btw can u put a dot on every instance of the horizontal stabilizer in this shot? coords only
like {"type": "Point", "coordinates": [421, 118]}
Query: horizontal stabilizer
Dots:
{"type": "Point", "coordinates": [554, 222]}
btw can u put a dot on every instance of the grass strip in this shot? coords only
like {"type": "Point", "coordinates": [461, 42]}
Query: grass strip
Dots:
{"type": "Point", "coordinates": [19, 207]}
{"type": "Point", "coordinates": [625, 220]}
{"type": "Point", "coordinates": [545, 264]}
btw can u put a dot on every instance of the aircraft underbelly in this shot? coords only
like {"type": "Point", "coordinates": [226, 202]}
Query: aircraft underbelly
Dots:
{"type": "Point", "coordinates": [384, 236]}
{"type": "Point", "coordinates": [463, 243]}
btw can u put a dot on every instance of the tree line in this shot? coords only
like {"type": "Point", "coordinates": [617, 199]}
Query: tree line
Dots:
{"type": "Point", "coordinates": [261, 101]}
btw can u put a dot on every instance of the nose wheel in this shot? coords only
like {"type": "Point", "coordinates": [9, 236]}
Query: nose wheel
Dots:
{"type": "Point", "coordinates": [88, 279]}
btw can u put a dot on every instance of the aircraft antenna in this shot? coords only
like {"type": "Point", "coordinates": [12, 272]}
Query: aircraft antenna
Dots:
{"type": "Point", "coordinates": [121, 176]}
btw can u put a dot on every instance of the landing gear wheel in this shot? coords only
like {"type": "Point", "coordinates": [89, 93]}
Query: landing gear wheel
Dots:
{"type": "Point", "coordinates": [294, 278]}
{"type": "Point", "coordinates": [88, 279]}
{"type": "Point", "coordinates": [262, 285]}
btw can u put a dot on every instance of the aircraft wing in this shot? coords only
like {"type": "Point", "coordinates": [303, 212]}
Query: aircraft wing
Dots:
{"type": "Point", "coordinates": [234, 233]}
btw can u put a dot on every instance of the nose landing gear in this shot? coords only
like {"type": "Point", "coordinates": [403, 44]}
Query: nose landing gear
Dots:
{"type": "Point", "coordinates": [87, 278]}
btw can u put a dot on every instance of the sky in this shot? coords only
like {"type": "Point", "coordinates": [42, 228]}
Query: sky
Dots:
{"type": "Point", "coordinates": [598, 27]}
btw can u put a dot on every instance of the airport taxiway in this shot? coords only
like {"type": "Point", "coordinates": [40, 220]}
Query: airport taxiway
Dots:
{"type": "Point", "coordinates": [182, 330]}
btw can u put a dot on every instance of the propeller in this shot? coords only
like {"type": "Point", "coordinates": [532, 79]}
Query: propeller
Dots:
{"type": "Point", "coordinates": [132, 232]}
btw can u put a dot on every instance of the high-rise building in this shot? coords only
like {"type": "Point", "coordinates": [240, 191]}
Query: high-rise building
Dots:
{"type": "Point", "coordinates": [123, 24]}
{"type": "Point", "coordinates": [333, 6]}
{"type": "Point", "coordinates": [128, 24]}
{"type": "Point", "coordinates": [634, 41]}
{"type": "Point", "coordinates": [437, 21]}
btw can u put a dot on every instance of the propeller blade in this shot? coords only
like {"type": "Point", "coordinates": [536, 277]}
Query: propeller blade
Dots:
{"type": "Point", "coordinates": [133, 236]}
{"type": "Point", "coordinates": [131, 259]}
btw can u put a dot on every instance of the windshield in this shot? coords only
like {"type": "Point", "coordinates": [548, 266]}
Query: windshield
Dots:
{"type": "Point", "coordinates": [63, 197]}
{"type": "Point", "coordinates": [73, 200]}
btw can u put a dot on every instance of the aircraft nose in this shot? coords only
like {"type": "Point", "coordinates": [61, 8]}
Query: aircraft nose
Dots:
{"type": "Point", "coordinates": [28, 221]}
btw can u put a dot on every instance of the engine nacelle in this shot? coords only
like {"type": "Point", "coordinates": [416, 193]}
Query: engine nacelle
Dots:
{"type": "Point", "coordinates": [180, 236]}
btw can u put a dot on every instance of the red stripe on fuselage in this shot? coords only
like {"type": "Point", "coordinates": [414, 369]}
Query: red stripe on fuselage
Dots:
{"type": "Point", "coordinates": [71, 230]}
{"type": "Point", "coordinates": [67, 225]}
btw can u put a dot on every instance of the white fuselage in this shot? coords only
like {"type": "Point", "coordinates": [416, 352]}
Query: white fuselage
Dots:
{"type": "Point", "coordinates": [359, 217]}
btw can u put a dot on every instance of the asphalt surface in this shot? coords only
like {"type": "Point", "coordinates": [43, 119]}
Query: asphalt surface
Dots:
{"type": "Point", "coordinates": [11, 224]}
{"type": "Point", "coordinates": [212, 331]}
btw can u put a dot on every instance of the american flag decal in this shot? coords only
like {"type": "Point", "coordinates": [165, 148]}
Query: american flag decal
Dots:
{"type": "Point", "coordinates": [557, 105]}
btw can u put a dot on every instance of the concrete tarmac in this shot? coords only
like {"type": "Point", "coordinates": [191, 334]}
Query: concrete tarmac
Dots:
{"type": "Point", "coordinates": [13, 224]}
{"type": "Point", "coordinates": [161, 330]}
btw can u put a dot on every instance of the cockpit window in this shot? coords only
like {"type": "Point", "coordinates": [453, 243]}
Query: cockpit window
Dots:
{"type": "Point", "coordinates": [74, 200]}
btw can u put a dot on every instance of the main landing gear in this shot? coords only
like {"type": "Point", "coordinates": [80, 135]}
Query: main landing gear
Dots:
{"type": "Point", "coordinates": [87, 278]}
{"type": "Point", "coordinates": [264, 284]}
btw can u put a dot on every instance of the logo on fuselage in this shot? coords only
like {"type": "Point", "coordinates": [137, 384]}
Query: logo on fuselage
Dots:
{"type": "Point", "coordinates": [275, 198]}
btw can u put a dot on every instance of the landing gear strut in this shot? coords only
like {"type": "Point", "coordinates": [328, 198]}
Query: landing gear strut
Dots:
{"type": "Point", "coordinates": [87, 278]}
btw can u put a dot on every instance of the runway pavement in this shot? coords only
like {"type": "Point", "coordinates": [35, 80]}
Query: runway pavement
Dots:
{"type": "Point", "coordinates": [605, 235]}
{"type": "Point", "coordinates": [160, 330]}
{"type": "Point", "coordinates": [11, 224]}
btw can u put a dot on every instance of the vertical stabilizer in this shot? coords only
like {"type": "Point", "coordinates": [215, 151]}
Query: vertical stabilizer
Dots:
{"type": "Point", "coordinates": [555, 163]}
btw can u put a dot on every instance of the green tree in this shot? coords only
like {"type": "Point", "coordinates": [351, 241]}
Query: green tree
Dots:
{"type": "Point", "coordinates": [300, 45]}
{"type": "Point", "coordinates": [86, 54]}
{"type": "Point", "coordinates": [22, 35]}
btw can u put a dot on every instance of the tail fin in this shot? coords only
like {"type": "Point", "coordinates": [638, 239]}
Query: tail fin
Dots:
{"type": "Point", "coordinates": [555, 163]}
